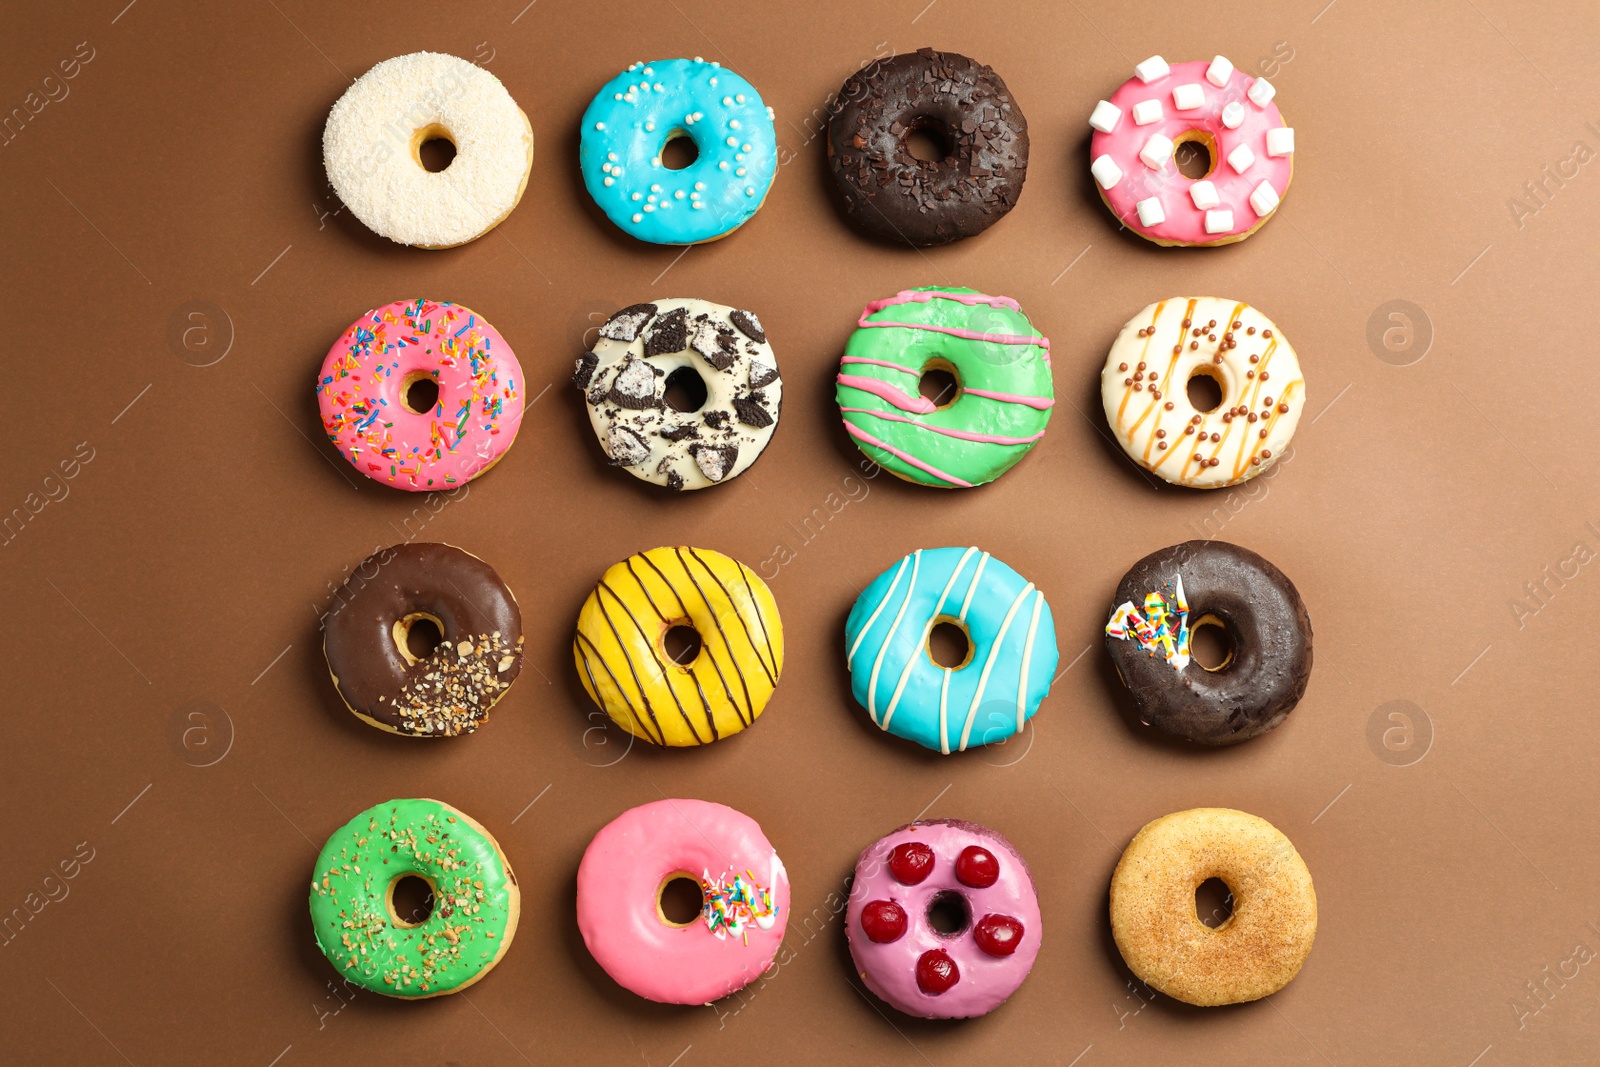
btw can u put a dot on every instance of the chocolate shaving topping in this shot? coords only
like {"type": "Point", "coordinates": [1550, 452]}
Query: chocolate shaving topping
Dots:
{"type": "Point", "coordinates": [714, 461]}
{"type": "Point", "coordinates": [584, 369]}
{"type": "Point", "coordinates": [626, 324]}
{"type": "Point", "coordinates": [749, 325]}
{"type": "Point", "coordinates": [716, 419]}
{"type": "Point", "coordinates": [626, 446]}
{"type": "Point", "coordinates": [668, 333]}
{"type": "Point", "coordinates": [751, 411]}
{"type": "Point", "coordinates": [675, 481]}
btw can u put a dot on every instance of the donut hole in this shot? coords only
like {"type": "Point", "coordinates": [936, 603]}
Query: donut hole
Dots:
{"type": "Point", "coordinates": [929, 141]}
{"type": "Point", "coordinates": [685, 390]}
{"type": "Point", "coordinates": [681, 643]}
{"type": "Point", "coordinates": [679, 899]}
{"type": "Point", "coordinates": [1195, 154]}
{"type": "Point", "coordinates": [1204, 390]}
{"type": "Point", "coordinates": [948, 913]}
{"type": "Point", "coordinates": [417, 635]}
{"type": "Point", "coordinates": [410, 900]}
{"type": "Point", "coordinates": [419, 392]}
{"type": "Point", "coordinates": [940, 385]}
{"type": "Point", "coordinates": [1213, 902]}
{"type": "Point", "coordinates": [949, 646]}
{"type": "Point", "coordinates": [1211, 643]}
{"type": "Point", "coordinates": [433, 148]}
{"type": "Point", "coordinates": [679, 151]}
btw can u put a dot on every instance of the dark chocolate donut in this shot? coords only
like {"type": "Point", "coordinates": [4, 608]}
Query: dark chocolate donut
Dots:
{"type": "Point", "coordinates": [1172, 591]}
{"type": "Point", "coordinates": [449, 691]}
{"type": "Point", "coordinates": [890, 194]}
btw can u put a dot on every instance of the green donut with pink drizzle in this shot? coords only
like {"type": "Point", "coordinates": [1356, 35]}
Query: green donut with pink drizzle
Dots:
{"type": "Point", "coordinates": [1000, 403]}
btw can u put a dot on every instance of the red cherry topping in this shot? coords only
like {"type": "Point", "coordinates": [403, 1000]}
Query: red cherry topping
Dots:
{"type": "Point", "coordinates": [936, 972]}
{"type": "Point", "coordinates": [998, 935]}
{"type": "Point", "coordinates": [885, 921]}
{"type": "Point", "coordinates": [911, 862]}
{"type": "Point", "coordinates": [977, 867]}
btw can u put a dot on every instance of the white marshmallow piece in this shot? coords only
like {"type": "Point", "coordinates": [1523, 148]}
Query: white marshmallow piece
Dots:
{"type": "Point", "coordinates": [1105, 116]}
{"type": "Point", "coordinates": [1204, 195]}
{"type": "Point", "coordinates": [1280, 141]}
{"type": "Point", "coordinates": [1219, 221]}
{"type": "Point", "coordinates": [1233, 115]}
{"type": "Point", "coordinates": [1264, 199]}
{"type": "Point", "coordinates": [1152, 70]}
{"type": "Point", "coordinates": [1241, 159]}
{"type": "Point", "coordinates": [1261, 92]}
{"type": "Point", "coordinates": [1188, 97]}
{"type": "Point", "coordinates": [1220, 70]}
{"type": "Point", "coordinates": [1106, 171]}
{"type": "Point", "coordinates": [1146, 111]}
{"type": "Point", "coordinates": [1151, 213]}
{"type": "Point", "coordinates": [1156, 151]}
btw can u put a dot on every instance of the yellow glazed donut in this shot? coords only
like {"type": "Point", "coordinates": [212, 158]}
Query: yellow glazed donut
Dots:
{"type": "Point", "coordinates": [1256, 951]}
{"type": "Point", "coordinates": [621, 645]}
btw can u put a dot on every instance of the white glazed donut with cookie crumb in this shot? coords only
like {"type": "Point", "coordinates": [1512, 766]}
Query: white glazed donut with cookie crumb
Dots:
{"type": "Point", "coordinates": [372, 139]}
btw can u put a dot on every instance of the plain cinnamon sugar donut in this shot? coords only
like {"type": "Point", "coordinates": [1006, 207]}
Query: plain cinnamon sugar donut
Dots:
{"type": "Point", "coordinates": [1256, 951]}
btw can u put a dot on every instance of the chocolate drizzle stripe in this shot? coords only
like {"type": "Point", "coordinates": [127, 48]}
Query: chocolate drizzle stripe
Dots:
{"type": "Point", "coordinates": [648, 599]}
{"type": "Point", "coordinates": [761, 616]}
{"type": "Point", "coordinates": [744, 683]}
{"type": "Point", "coordinates": [659, 737]}
{"type": "Point", "coordinates": [682, 607]}
{"type": "Point", "coordinates": [771, 672]}
{"type": "Point", "coordinates": [710, 713]}
{"type": "Point", "coordinates": [684, 610]}
{"type": "Point", "coordinates": [632, 670]}
{"type": "Point", "coordinates": [654, 655]}
{"type": "Point", "coordinates": [722, 677]}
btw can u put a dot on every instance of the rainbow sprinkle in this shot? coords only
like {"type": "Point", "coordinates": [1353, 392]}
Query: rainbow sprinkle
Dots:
{"type": "Point", "coordinates": [732, 905]}
{"type": "Point", "coordinates": [1162, 629]}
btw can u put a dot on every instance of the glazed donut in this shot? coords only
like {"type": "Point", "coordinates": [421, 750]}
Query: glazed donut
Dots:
{"type": "Point", "coordinates": [644, 347]}
{"type": "Point", "coordinates": [370, 149]}
{"type": "Point", "coordinates": [965, 106]}
{"type": "Point", "coordinates": [363, 395]}
{"type": "Point", "coordinates": [450, 690]}
{"type": "Point", "coordinates": [904, 958]}
{"type": "Point", "coordinates": [744, 900]}
{"type": "Point", "coordinates": [1011, 642]}
{"type": "Point", "coordinates": [620, 647]}
{"type": "Point", "coordinates": [1256, 951]}
{"type": "Point", "coordinates": [1159, 604]}
{"type": "Point", "coordinates": [1144, 388]}
{"type": "Point", "coordinates": [1003, 389]}
{"type": "Point", "coordinates": [1228, 112]}
{"type": "Point", "coordinates": [629, 123]}
{"type": "Point", "coordinates": [476, 901]}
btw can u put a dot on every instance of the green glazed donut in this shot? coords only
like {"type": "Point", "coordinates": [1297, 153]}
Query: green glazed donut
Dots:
{"type": "Point", "coordinates": [475, 895]}
{"type": "Point", "coordinates": [1003, 390]}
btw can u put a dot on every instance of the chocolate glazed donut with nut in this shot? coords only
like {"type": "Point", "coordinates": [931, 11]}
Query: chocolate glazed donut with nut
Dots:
{"type": "Point", "coordinates": [1169, 594]}
{"type": "Point", "coordinates": [450, 690]}
{"type": "Point", "coordinates": [890, 194]}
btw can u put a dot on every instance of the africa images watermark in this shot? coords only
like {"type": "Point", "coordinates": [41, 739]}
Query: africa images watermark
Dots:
{"type": "Point", "coordinates": [52, 90]}
{"type": "Point", "coordinates": [1540, 192]}
{"type": "Point", "coordinates": [1538, 593]}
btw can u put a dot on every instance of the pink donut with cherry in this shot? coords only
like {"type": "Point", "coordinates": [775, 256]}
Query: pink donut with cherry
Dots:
{"type": "Point", "coordinates": [1140, 132]}
{"type": "Point", "coordinates": [943, 921]}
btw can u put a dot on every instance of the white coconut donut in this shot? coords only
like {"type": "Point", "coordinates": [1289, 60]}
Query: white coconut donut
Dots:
{"type": "Point", "coordinates": [370, 148]}
{"type": "Point", "coordinates": [624, 381]}
{"type": "Point", "coordinates": [1144, 386]}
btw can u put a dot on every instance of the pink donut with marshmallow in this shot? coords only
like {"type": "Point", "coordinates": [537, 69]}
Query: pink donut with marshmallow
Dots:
{"type": "Point", "coordinates": [370, 404]}
{"type": "Point", "coordinates": [943, 873]}
{"type": "Point", "coordinates": [1139, 131]}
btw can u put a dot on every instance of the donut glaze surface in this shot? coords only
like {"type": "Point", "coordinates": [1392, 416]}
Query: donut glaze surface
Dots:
{"type": "Point", "coordinates": [1160, 601]}
{"type": "Point", "coordinates": [476, 900]}
{"type": "Point", "coordinates": [450, 690]}
{"type": "Point", "coordinates": [912, 965]}
{"type": "Point", "coordinates": [890, 194]}
{"type": "Point", "coordinates": [744, 886]}
{"type": "Point", "coordinates": [1011, 636]}
{"type": "Point", "coordinates": [1252, 153]}
{"type": "Point", "coordinates": [629, 123]}
{"type": "Point", "coordinates": [361, 393]}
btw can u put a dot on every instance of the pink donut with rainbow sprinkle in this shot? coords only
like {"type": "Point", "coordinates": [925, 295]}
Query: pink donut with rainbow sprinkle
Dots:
{"type": "Point", "coordinates": [423, 395]}
{"type": "Point", "coordinates": [1138, 132]}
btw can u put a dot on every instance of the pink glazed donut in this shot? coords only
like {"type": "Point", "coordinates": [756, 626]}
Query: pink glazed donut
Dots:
{"type": "Point", "coordinates": [1227, 111]}
{"type": "Point", "coordinates": [967, 870]}
{"type": "Point", "coordinates": [744, 890]}
{"type": "Point", "coordinates": [366, 395]}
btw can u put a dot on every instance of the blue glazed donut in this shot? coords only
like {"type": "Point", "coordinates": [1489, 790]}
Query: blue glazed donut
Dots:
{"type": "Point", "coordinates": [1011, 657]}
{"type": "Point", "coordinates": [639, 111]}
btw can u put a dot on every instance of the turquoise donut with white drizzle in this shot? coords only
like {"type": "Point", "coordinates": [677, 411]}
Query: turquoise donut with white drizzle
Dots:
{"type": "Point", "coordinates": [631, 120]}
{"type": "Point", "coordinates": [1011, 642]}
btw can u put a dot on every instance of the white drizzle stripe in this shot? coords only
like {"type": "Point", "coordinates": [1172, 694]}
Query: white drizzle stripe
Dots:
{"type": "Point", "coordinates": [988, 663]}
{"type": "Point", "coordinates": [944, 693]}
{"type": "Point", "coordinates": [911, 660]}
{"type": "Point", "coordinates": [877, 664]}
{"type": "Point", "coordinates": [849, 659]}
{"type": "Point", "coordinates": [1027, 658]}
{"type": "Point", "coordinates": [977, 576]}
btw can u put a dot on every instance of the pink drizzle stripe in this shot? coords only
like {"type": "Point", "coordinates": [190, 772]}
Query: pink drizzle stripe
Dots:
{"type": "Point", "coordinates": [881, 363]}
{"type": "Point", "coordinates": [965, 435]}
{"type": "Point", "coordinates": [909, 296]}
{"type": "Point", "coordinates": [1038, 402]}
{"type": "Point", "coordinates": [916, 404]}
{"type": "Point", "coordinates": [862, 435]}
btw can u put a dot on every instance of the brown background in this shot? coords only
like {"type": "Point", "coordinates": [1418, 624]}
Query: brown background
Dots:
{"type": "Point", "coordinates": [191, 556]}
